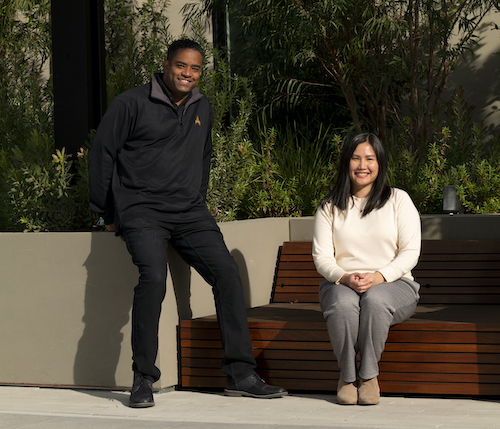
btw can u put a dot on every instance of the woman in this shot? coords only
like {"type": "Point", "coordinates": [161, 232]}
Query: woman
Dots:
{"type": "Point", "coordinates": [366, 242]}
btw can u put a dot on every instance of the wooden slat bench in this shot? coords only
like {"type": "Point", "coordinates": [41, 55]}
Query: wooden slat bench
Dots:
{"type": "Point", "coordinates": [451, 345]}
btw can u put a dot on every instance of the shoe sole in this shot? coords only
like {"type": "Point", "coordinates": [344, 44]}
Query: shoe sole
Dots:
{"type": "Point", "coordinates": [346, 402]}
{"type": "Point", "coordinates": [141, 405]}
{"type": "Point", "coordinates": [239, 393]}
{"type": "Point", "coordinates": [368, 403]}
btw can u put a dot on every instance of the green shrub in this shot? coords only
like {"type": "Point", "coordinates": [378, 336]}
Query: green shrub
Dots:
{"type": "Point", "coordinates": [295, 166]}
{"type": "Point", "coordinates": [282, 169]}
{"type": "Point", "coordinates": [269, 194]}
{"type": "Point", "coordinates": [136, 40]}
{"type": "Point", "coordinates": [307, 153]}
{"type": "Point", "coordinates": [40, 194]}
{"type": "Point", "coordinates": [232, 156]}
{"type": "Point", "coordinates": [477, 179]}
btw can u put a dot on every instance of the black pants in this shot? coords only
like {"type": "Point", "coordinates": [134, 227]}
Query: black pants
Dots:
{"type": "Point", "coordinates": [201, 245]}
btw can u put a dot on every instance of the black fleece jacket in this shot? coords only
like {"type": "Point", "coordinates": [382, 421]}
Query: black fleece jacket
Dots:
{"type": "Point", "coordinates": [150, 158]}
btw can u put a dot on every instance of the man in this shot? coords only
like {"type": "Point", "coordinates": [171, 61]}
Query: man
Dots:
{"type": "Point", "coordinates": [149, 171]}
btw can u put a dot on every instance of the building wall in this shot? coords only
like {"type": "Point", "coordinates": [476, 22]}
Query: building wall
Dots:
{"type": "Point", "coordinates": [479, 75]}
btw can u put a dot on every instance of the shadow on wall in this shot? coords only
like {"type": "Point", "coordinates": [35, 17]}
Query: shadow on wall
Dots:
{"type": "Point", "coordinates": [245, 278]}
{"type": "Point", "coordinates": [108, 301]}
{"type": "Point", "coordinates": [111, 278]}
{"type": "Point", "coordinates": [479, 74]}
{"type": "Point", "coordinates": [180, 273]}
{"type": "Point", "coordinates": [461, 227]}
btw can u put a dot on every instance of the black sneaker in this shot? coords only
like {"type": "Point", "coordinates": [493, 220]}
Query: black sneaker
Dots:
{"type": "Point", "coordinates": [254, 387]}
{"type": "Point", "coordinates": [141, 395]}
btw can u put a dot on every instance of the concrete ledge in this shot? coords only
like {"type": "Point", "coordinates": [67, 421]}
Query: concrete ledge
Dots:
{"type": "Point", "coordinates": [461, 227]}
{"type": "Point", "coordinates": [434, 227]}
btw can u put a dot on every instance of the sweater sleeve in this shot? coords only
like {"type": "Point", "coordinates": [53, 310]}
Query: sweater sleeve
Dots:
{"type": "Point", "coordinates": [409, 238]}
{"type": "Point", "coordinates": [323, 250]}
{"type": "Point", "coordinates": [108, 140]}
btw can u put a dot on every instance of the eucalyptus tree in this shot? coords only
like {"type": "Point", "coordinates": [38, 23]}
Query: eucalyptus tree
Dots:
{"type": "Point", "coordinates": [390, 60]}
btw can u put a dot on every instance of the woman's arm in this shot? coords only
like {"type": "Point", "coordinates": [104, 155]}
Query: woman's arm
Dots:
{"type": "Point", "coordinates": [323, 250]}
{"type": "Point", "coordinates": [409, 238]}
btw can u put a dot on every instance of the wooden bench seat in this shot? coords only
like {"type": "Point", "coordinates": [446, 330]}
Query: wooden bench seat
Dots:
{"type": "Point", "coordinates": [451, 345]}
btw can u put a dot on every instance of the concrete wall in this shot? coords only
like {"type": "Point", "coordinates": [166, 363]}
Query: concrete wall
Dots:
{"type": "Point", "coordinates": [479, 75]}
{"type": "Point", "coordinates": [461, 227]}
{"type": "Point", "coordinates": [66, 297]}
{"type": "Point", "coordinates": [176, 19]}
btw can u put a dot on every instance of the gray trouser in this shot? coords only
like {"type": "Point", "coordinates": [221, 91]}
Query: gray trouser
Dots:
{"type": "Point", "coordinates": [361, 322]}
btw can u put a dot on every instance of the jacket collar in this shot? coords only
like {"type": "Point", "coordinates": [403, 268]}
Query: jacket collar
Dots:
{"type": "Point", "coordinates": [158, 93]}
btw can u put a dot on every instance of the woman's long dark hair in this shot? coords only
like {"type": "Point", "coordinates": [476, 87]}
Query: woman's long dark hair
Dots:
{"type": "Point", "coordinates": [341, 194]}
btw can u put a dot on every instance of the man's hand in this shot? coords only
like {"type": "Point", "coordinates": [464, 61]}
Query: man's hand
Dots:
{"type": "Point", "coordinates": [111, 227]}
{"type": "Point", "coordinates": [361, 282]}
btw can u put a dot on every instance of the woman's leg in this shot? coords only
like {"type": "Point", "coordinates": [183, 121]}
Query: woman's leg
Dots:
{"type": "Point", "coordinates": [340, 306]}
{"type": "Point", "coordinates": [381, 306]}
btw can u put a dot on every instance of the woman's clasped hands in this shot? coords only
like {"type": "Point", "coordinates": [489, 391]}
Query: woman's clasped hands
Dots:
{"type": "Point", "coordinates": [361, 282]}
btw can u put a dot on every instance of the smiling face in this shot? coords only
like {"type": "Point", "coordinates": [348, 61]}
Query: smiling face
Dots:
{"type": "Point", "coordinates": [182, 73]}
{"type": "Point", "coordinates": [363, 170]}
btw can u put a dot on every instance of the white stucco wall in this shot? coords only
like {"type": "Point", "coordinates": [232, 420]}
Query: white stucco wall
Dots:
{"type": "Point", "coordinates": [479, 75]}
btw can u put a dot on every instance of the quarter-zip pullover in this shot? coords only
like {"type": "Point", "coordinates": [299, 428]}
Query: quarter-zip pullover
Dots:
{"type": "Point", "coordinates": [151, 158]}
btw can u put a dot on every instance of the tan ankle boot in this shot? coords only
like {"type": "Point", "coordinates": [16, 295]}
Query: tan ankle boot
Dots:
{"type": "Point", "coordinates": [368, 392]}
{"type": "Point", "coordinates": [347, 393]}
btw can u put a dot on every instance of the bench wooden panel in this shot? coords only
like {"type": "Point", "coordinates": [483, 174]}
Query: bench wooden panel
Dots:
{"type": "Point", "coordinates": [450, 346]}
{"type": "Point", "coordinates": [297, 279]}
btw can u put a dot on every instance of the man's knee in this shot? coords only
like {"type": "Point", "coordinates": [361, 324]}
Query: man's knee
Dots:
{"type": "Point", "coordinates": [154, 278]}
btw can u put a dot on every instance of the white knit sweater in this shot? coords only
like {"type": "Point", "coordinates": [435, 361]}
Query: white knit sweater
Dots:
{"type": "Point", "coordinates": [386, 240]}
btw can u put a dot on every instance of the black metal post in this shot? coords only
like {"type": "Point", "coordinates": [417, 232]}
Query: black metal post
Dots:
{"type": "Point", "coordinates": [78, 69]}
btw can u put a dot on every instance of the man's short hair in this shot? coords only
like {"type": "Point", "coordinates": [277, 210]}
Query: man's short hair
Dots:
{"type": "Point", "coordinates": [181, 44]}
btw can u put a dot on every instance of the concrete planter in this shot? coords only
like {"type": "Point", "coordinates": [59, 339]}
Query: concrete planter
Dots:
{"type": "Point", "coordinates": [66, 297]}
{"type": "Point", "coordinates": [66, 302]}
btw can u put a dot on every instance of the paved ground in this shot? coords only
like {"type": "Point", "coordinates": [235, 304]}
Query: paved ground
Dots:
{"type": "Point", "coordinates": [43, 408]}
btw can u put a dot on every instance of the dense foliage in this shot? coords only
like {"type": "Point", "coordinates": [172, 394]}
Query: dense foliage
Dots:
{"type": "Point", "coordinates": [303, 77]}
{"type": "Point", "coordinates": [374, 66]}
{"type": "Point", "coordinates": [389, 60]}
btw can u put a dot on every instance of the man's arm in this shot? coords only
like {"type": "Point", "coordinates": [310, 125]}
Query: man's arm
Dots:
{"type": "Point", "coordinates": [109, 139]}
{"type": "Point", "coordinates": [207, 156]}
